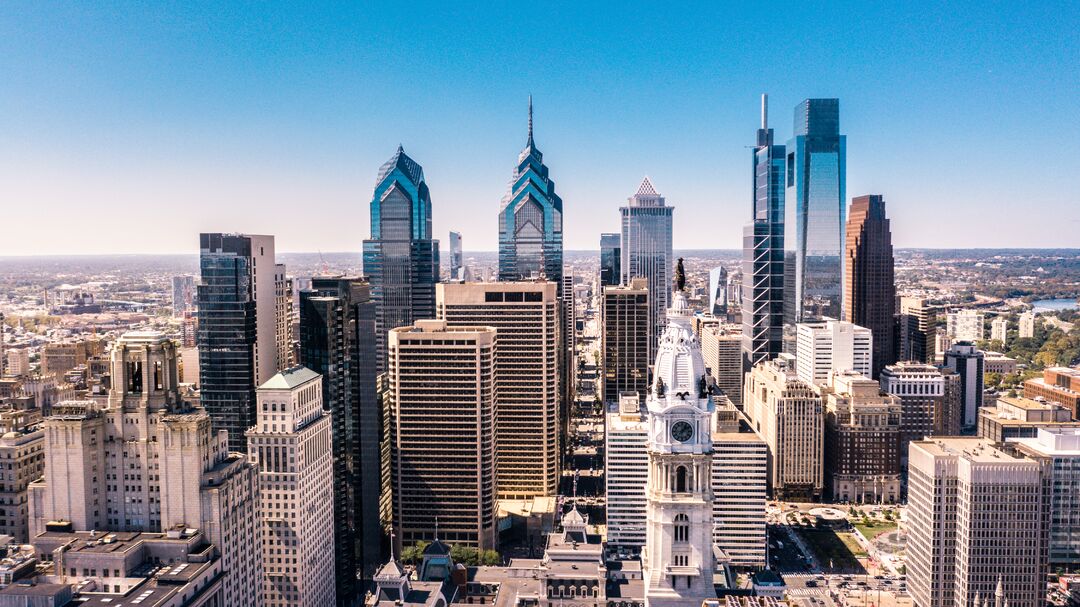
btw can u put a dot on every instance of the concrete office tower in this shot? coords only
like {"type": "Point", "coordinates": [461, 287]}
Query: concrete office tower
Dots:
{"type": "Point", "coordinates": [457, 265]}
{"type": "Point", "coordinates": [568, 344]}
{"type": "Point", "coordinates": [965, 325]}
{"type": "Point", "coordinates": [978, 522]}
{"type": "Point", "coordinates": [625, 312]}
{"type": "Point", "coordinates": [646, 251]}
{"type": "Point", "coordinates": [179, 470]}
{"type": "Point", "coordinates": [283, 314]}
{"type": "Point", "coordinates": [626, 467]}
{"type": "Point", "coordinates": [526, 366]}
{"type": "Point", "coordinates": [1059, 448]}
{"type": "Point", "coordinates": [22, 449]}
{"type": "Point", "coordinates": [183, 294]}
{"type": "Point", "coordinates": [869, 284]}
{"type": "Point", "coordinates": [917, 330]}
{"type": "Point", "coordinates": [678, 561]}
{"type": "Point", "coordinates": [401, 261]}
{"type": "Point", "coordinates": [999, 329]}
{"type": "Point", "coordinates": [18, 362]}
{"type": "Point", "coordinates": [862, 441]}
{"type": "Point", "coordinates": [238, 328]}
{"type": "Point", "coordinates": [763, 251]}
{"type": "Point", "coordinates": [1058, 385]}
{"type": "Point", "coordinates": [531, 220]}
{"type": "Point", "coordinates": [966, 360]}
{"type": "Point", "coordinates": [721, 347]}
{"type": "Point", "coordinates": [815, 213]}
{"type": "Point", "coordinates": [1027, 324]}
{"type": "Point", "coordinates": [922, 390]}
{"type": "Point", "coordinates": [718, 292]}
{"type": "Point", "coordinates": [789, 415]}
{"type": "Point", "coordinates": [740, 488]}
{"type": "Point", "coordinates": [610, 258]}
{"type": "Point", "coordinates": [825, 347]}
{"type": "Point", "coordinates": [443, 399]}
{"type": "Point", "coordinates": [337, 341]}
{"type": "Point", "coordinates": [291, 444]}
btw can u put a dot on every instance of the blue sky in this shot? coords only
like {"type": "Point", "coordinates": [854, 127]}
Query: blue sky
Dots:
{"type": "Point", "coordinates": [131, 127]}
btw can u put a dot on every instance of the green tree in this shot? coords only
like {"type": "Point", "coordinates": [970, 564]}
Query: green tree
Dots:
{"type": "Point", "coordinates": [412, 555]}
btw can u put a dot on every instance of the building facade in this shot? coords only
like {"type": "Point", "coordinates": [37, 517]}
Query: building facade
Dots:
{"type": "Point", "coordinates": [965, 325]}
{"type": "Point", "coordinates": [922, 390]}
{"type": "Point", "coordinates": [917, 330]}
{"type": "Point", "coordinates": [869, 284]}
{"type": "Point", "coordinates": [646, 251]}
{"type": "Point", "coordinates": [1059, 449]}
{"type": "Point", "coordinates": [721, 347]}
{"type": "Point", "coordinates": [183, 294]}
{"type": "Point", "coordinates": [1058, 385]}
{"type": "Point", "coordinates": [457, 260]}
{"type": "Point", "coordinates": [825, 347]}
{"type": "Point", "coordinates": [740, 488]}
{"type": "Point", "coordinates": [967, 361]}
{"type": "Point", "coordinates": [626, 472]}
{"type": "Point", "coordinates": [610, 259]}
{"type": "Point", "coordinates": [625, 311]}
{"type": "Point", "coordinates": [862, 441]}
{"type": "Point", "coordinates": [1026, 327]}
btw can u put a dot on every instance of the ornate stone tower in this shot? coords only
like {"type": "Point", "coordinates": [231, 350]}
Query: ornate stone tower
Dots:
{"type": "Point", "coordinates": [678, 557]}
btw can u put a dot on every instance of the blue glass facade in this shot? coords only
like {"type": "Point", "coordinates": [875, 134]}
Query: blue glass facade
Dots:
{"type": "Point", "coordinates": [401, 261]}
{"type": "Point", "coordinates": [815, 213]}
{"type": "Point", "coordinates": [530, 220]}
{"type": "Point", "coordinates": [610, 258]}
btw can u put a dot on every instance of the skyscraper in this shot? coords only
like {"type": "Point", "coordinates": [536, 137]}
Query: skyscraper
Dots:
{"type": "Point", "coordinates": [917, 330]}
{"type": "Point", "coordinates": [610, 257]}
{"type": "Point", "coordinates": [718, 291]}
{"type": "Point", "coordinates": [337, 341]}
{"type": "Point", "coordinates": [826, 347]}
{"type": "Point", "coordinates": [183, 294]}
{"type": "Point", "coordinates": [238, 328]}
{"type": "Point", "coordinates": [967, 361]}
{"type": "Point", "coordinates": [530, 220]}
{"type": "Point", "coordinates": [862, 441]}
{"type": "Point", "coordinates": [625, 332]}
{"type": "Point", "coordinates": [646, 251]}
{"type": "Point", "coordinates": [292, 447]}
{"type": "Point", "coordinates": [721, 347]}
{"type": "Point", "coordinates": [401, 261]}
{"type": "Point", "coordinates": [456, 268]}
{"type": "Point", "coordinates": [869, 285]}
{"type": "Point", "coordinates": [526, 368]}
{"type": "Point", "coordinates": [814, 212]}
{"type": "Point", "coordinates": [924, 400]}
{"type": "Point", "coordinates": [1060, 448]}
{"type": "Point", "coordinates": [965, 325]}
{"type": "Point", "coordinates": [763, 251]}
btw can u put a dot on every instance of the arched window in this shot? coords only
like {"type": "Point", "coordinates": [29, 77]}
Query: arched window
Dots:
{"type": "Point", "coordinates": [680, 479]}
{"type": "Point", "coordinates": [682, 529]}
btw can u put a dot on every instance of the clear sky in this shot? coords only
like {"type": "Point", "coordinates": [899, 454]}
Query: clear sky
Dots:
{"type": "Point", "coordinates": [131, 127]}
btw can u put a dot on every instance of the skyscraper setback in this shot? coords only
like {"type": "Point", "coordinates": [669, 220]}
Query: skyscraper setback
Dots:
{"type": "Point", "coordinates": [869, 284]}
{"type": "Point", "coordinates": [646, 251]}
{"type": "Point", "coordinates": [400, 259]}
{"type": "Point", "coordinates": [814, 213]}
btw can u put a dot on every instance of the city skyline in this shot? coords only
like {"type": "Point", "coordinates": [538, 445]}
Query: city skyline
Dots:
{"type": "Point", "coordinates": [233, 131]}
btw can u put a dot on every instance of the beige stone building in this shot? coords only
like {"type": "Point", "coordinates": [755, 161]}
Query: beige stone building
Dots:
{"type": "Point", "coordinates": [862, 441]}
{"type": "Point", "coordinates": [721, 345]}
{"type": "Point", "coordinates": [22, 460]}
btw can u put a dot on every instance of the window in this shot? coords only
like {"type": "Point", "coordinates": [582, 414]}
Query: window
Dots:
{"type": "Point", "coordinates": [682, 528]}
{"type": "Point", "coordinates": [680, 479]}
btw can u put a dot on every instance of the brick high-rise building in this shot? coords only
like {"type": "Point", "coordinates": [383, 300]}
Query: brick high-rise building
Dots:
{"type": "Point", "coordinates": [917, 330]}
{"type": "Point", "coordinates": [862, 441]}
{"type": "Point", "coordinates": [869, 284]}
{"type": "Point", "coordinates": [1059, 385]}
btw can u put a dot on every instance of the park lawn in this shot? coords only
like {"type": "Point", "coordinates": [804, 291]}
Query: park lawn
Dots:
{"type": "Point", "coordinates": [840, 548]}
{"type": "Point", "coordinates": [877, 529]}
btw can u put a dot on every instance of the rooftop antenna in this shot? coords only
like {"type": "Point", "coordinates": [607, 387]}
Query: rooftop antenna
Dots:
{"type": "Point", "coordinates": [530, 119]}
{"type": "Point", "coordinates": [764, 111]}
{"type": "Point", "coordinates": [436, 527]}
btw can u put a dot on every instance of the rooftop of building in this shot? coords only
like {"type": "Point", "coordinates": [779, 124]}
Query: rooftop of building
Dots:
{"type": "Point", "coordinates": [972, 448]}
{"type": "Point", "coordinates": [290, 378]}
{"type": "Point", "coordinates": [1064, 442]}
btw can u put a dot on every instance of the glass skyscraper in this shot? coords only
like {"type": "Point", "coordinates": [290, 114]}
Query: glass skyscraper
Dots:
{"type": "Point", "coordinates": [610, 258]}
{"type": "Point", "coordinates": [763, 251]}
{"type": "Point", "coordinates": [814, 213]}
{"type": "Point", "coordinates": [401, 261]}
{"type": "Point", "coordinates": [456, 267]}
{"type": "Point", "coordinates": [646, 252]}
{"type": "Point", "coordinates": [530, 220]}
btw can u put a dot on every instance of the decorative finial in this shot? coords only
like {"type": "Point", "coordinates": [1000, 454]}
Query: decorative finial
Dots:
{"type": "Point", "coordinates": [530, 119]}
{"type": "Point", "coordinates": [680, 275]}
{"type": "Point", "coordinates": [436, 527]}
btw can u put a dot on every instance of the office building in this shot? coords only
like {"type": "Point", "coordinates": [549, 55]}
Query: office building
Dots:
{"type": "Point", "coordinates": [442, 382]}
{"type": "Point", "coordinates": [999, 329]}
{"type": "Point", "coordinates": [825, 347]}
{"type": "Point", "coordinates": [862, 441]}
{"type": "Point", "coordinates": [678, 563]}
{"type": "Point", "coordinates": [57, 358]}
{"type": "Point", "coordinates": [918, 331]}
{"type": "Point", "coordinates": [18, 362]}
{"type": "Point", "coordinates": [1018, 417]}
{"type": "Point", "coordinates": [924, 396]}
{"type": "Point", "coordinates": [626, 468]}
{"type": "Point", "coordinates": [568, 345]}
{"type": "Point", "coordinates": [610, 258]}
{"type": "Point", "coordinates": [531, 220]}
{"type": "Point", "coordinates": [1027, 324]}
{"type": "Point", "coordinates": [869, 284]}
{"type": "Point", "coordinates": [646, 251]}
{"type": "Point", "coordinates": [183, 294]}
{"type": "Point", "coordinates": [721, 347]}
{"type": "Point", "coordinates": [1058, 385]}
{"type": "Point", "coordinates": [717, 303]}
{"type": "Point", "coordinates": [284, 339]}
{"type": "Point", "coordinates": [625, 312]}
{"type": "Point", "coordinates": [457, 266]}
{"type": "Point", "coordinates": [292, 446]}
{"type": "Point", "coordinates": [789, 415]}
{"type": "Point", "coordinates": [965, 325]}
{"type": "Point", "coordinates": [526, 365]}
{"type": "Point", "coordinates": [740, 487]}
{"type": "Point", "coordinates": [1059, 448]}
{"type": "Point", "coordinates": [337, 341]}
{"type": "Point", "coordinates": [978, 521]}
{"type": "Point", "coordinates": [815, 213]}
{"type": "Point", "coordinates": [996, 362]}
{"type": "Point", "coordinates": [146, 461]}
{"type": "Point", "coordinates": [401, 261]}
{"type": "Point", "coordinates": [238, 328]}
{"type": "Point", "coordinates": [22, 449]}
{"type": "Point", "coordinates": [964, 359]}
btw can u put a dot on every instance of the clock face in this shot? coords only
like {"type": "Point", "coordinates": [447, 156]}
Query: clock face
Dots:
{"type": "Point", "coordinates": [682, 431]}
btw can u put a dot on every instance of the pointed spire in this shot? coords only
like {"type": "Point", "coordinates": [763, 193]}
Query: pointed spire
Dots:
{"type": "Point", "coordinates": [999, 593]}
{"type": "Point", "coordinates": [646, 188]}
{"type": "Point", "coordinates": [530, 120]}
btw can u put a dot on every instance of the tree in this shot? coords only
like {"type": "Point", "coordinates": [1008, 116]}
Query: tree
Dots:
{"type": "Point", "coordinates": [412, 555]}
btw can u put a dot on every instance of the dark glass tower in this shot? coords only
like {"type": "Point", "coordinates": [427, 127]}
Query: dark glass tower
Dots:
{"type": "Point", "coordinates": [610, 256]}
{"type": "Point", "coordinates": [763, 252]}
{"type": "Point", "coordinates": [814, 212]}
{"type": "Point", "coordinates": [530, 220]}
{"type": "Point", "coordinates": [401, 261]}
{"type": "Point", "coordinates": [337, 340]}
{"type": "Point", "coordinates": [869, 286]}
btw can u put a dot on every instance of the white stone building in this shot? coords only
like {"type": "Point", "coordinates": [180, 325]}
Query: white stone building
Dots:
{"type": "Point", "coordinates": [825, 347]}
